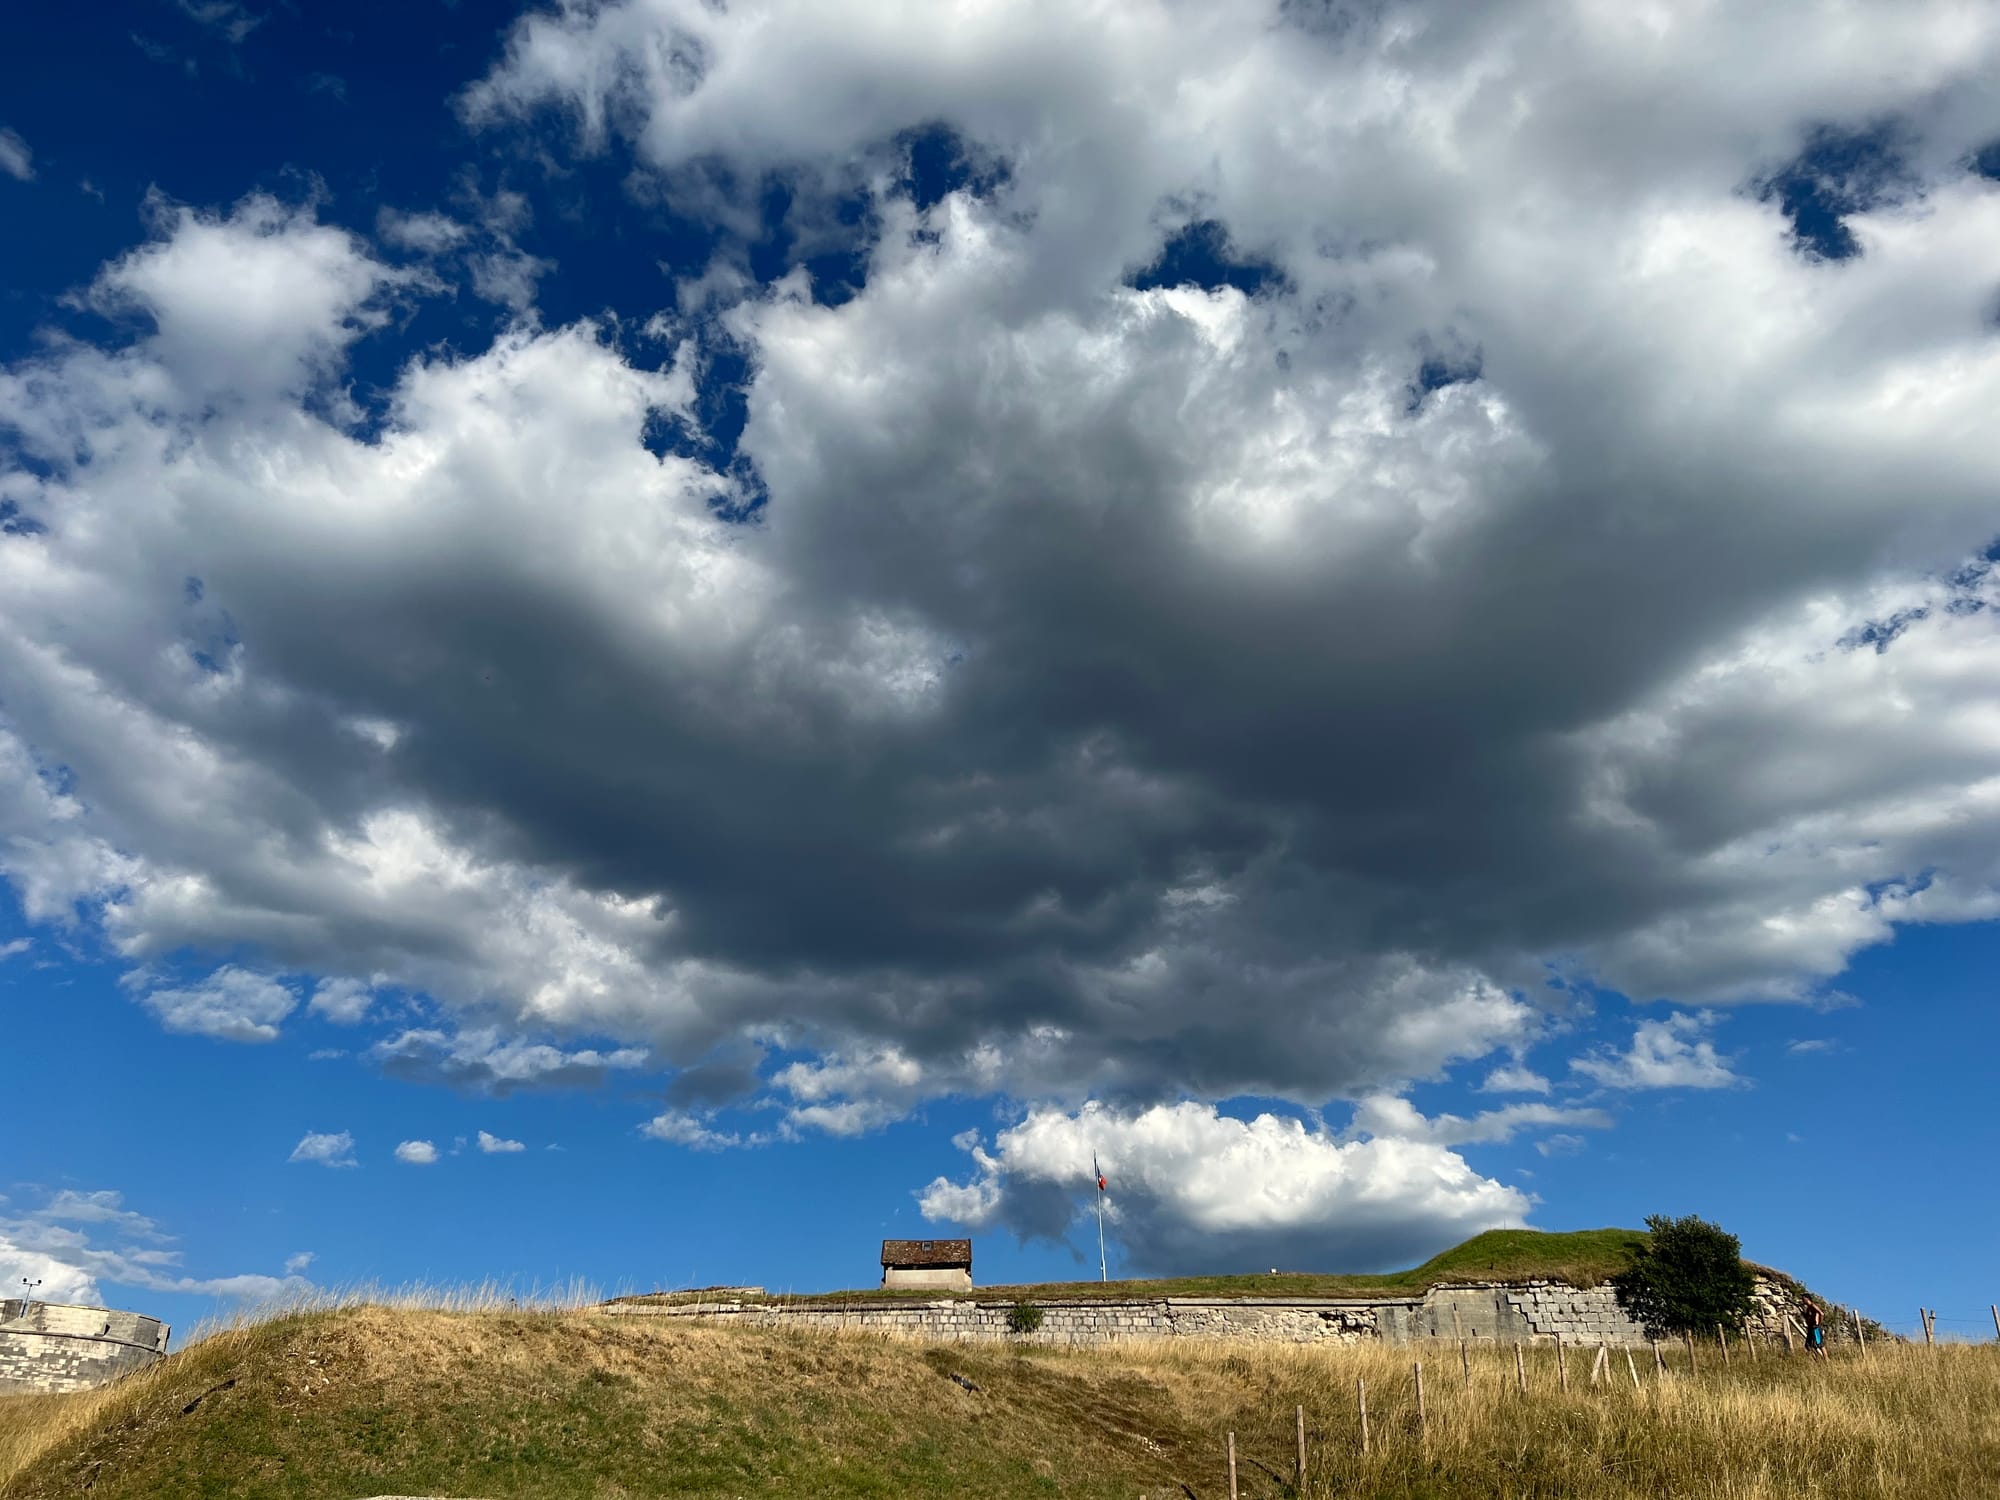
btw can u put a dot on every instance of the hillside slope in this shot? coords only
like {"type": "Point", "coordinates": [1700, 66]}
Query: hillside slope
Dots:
{"type": "Point", "coordinates": [549, 1406]}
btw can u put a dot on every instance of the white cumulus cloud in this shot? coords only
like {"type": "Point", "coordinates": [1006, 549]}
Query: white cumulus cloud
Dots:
{"type": "Point", "coordinates": [1195, 1190]}
{"type": "Point", "coordinates": [1535, 553]}
{"type": "Point", "coordinates": [417, 1153]}
{"type": "Point", "coordinates": [1673, 1053]}
{"type": "Point", "coordinates": [233, 1004]}
{"type": "Point", "coordinates": [494, 1144]}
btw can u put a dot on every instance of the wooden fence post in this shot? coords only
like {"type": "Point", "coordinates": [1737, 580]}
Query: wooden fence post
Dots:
{"type": "Point", "coordinates": [1992, 1307]}
{"type": "Point", "coordinates": [1423, 1422]}
{"type": "Point", "coordinates": [1562, 1365]}
{"type": "Point", "coordinates": [1861, 1339]}
{"type": "Point", "coordinates": [1520, 1372]}
{"type": "Point", "coordinates": [1457, 1326]}
{"type": "Point", "coordinates": [1930, 1326]}
{"type": "Point", "coordinates": [1232, 1466]}
{"type": "Point", "coordinates": [1692, 1366]}
{"type": "Point", "coordinates": [1786, 1329]}
{"type": "Point", "coordinates": [1301, 1485]}
{"type": "Point", "coordinates": [1465, 1364]}
{"type": "Point", "coordinates": [1361, 1400]}
{"type": "Point", "coordinates": [1630, 1368]}
{"type": "Point", "coordinates": [1659, 1360]}
{"type": "Point", "coordinates": [1750, 1343]}
{"type": "Point", "coordinates": [1601, 1362]}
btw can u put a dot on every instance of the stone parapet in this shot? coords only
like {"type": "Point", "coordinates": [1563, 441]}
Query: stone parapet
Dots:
{"type": "Point", "coordinates": [49, 1346]}
{"type": "Point", "coordinates": [1502, 1312]}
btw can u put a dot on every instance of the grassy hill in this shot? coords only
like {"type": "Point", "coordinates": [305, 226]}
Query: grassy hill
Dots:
{"type": "Point", "coordinates": [338, 1404]}
{"type": "Point", "coordinates": [1585, 1257]}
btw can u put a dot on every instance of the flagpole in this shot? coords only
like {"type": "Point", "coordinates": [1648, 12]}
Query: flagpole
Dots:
{"type": "Point", "coordinates": [1097, 1180]}
{"type": "Point", "coordinates": [1100, 1236]}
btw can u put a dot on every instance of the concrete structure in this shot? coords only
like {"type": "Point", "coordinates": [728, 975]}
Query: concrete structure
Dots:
{"type": "Point", "coordinates": [48, 1346]}
{"type": "Point", "coordinates": [1500, 1312]}
{"type": "Point", "coordinates": [936, 1265]}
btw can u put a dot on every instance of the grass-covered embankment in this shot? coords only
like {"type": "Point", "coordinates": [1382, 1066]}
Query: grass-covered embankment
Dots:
{"type": "Point", "coordinates": [1585, 1257]}
{"type": "Point", "coordinates": [574, 1404]}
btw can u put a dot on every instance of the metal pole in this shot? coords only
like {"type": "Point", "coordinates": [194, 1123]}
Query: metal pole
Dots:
{"type": "Point", "coordinates": [1101, 1273]}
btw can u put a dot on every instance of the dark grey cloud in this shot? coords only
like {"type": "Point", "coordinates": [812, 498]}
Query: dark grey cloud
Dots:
{"type": "Point", "coordinates": [1200, 682]}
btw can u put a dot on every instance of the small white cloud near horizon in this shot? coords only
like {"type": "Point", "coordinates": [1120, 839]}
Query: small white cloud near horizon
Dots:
{"type": "Point", "coordinates": [16, 160]}
{"type": "Point", "coordinates": [416, 1153]}
{"type": "Point", "coordinates": [1192, 1189]}
{"type": "Point", "coordinates": [16, 948]}
{"type": "Point", "coordinates": [296, 1265]}
{"type": "Point", "coordinates": [85, 1246]}
{"type": "Point", "coordinates": [1674, 1053]}
{"type": "Point", "coordinates": [1805, 1045]}
{"type": "Point", "coordinates": [494, 1145]}
{"type": "Point", "coordinates": [329, 1149]}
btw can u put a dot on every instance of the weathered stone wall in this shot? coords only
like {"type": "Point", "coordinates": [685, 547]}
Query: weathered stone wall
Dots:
{"type": "Point", "coordinates": [1268, 1320]}
{"type": "Point", "coordinates": [1501, 1312]}
{"type": "Point", "coordinates": [47, 1346]}
{"type": "Point", "coordinates": [941, 1279]}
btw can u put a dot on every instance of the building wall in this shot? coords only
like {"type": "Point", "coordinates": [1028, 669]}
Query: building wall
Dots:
{"type": "Point", "coordinates": [48, 1346]}
{"type": "Point", "coordinates": [1504, 1313]}
{"type": "Point", "coordinates": [939, 1280]}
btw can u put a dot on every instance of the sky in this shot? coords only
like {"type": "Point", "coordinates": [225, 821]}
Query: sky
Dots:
{"type": "Point", "coordinates": [648, 641]}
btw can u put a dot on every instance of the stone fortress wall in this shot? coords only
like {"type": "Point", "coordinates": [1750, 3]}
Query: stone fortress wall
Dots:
{"type": "Point", "coordinates": [48, 1346]}
{"type": "Point", "coordinates": [1502, 1312]}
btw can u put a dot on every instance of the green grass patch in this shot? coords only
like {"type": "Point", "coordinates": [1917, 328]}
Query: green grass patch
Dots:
{"type": "Point", "coordinates": [1584, 1257]}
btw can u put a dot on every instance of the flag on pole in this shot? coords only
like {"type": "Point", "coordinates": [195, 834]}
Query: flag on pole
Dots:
{"type": "Point", "coordinates": [1097, 1172]}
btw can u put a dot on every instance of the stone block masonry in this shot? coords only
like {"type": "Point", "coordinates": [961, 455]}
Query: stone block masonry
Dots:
{"type": "Point", "coordinates": [1503, 1312]}
{"type": "Point", "coordinates": [47, 1346]}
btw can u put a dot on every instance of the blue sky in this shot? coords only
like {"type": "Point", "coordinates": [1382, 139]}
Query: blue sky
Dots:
{"type": "Point", "coordinates": [749, 628]}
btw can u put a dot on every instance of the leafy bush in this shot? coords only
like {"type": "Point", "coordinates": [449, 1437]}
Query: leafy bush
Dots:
{"type": "Point", "coordinates": [1024, 1317]}
{"type": "Point", "coordinates": [1688, 1277]}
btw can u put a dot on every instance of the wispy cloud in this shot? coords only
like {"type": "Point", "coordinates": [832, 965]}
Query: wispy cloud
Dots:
{"type": "Point", "coordinates": [16, 160]}
{"type": "Point", "coordinates": [76, 1241]}
{"type": "Point", "coordinates": [1514, 1079]}
{"type": "Point", "coordinates": [334, 1149]}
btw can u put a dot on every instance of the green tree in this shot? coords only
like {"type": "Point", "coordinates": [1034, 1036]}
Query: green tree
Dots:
{"type": "Point", "coordinates": [1687, 1278]}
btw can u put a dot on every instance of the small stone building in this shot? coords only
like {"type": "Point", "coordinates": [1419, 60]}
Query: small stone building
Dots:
{"type": "Point", "coordinates": [936, 1264]}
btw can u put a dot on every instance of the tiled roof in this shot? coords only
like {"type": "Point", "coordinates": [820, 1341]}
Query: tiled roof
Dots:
{"type": "Point", "coordinates": [909, 1254]}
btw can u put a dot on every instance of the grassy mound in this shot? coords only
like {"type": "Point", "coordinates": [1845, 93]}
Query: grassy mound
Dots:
{"type": "Point", "coordinates": [1585, 1257]}
{"type": "Point", "coordinates": [369, 1401]}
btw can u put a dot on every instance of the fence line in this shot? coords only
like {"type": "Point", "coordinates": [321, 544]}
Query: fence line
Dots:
{"type": "Point", "coordinates": [1600, 1366]}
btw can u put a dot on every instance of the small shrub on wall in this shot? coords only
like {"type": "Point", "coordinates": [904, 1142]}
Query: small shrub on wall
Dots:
{"type": "Point", "coordinates": [1024, 1317]}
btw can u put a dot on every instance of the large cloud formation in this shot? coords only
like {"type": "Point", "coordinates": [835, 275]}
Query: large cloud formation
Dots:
{"type": "Point", "coordinates": [1542, 538]}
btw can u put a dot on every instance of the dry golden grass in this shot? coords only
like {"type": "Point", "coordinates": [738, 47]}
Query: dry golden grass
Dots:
{"type": "Point", "coordinates": [1899, 1421]}
{"type": "Point", "coordinates": [349, 1401]}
